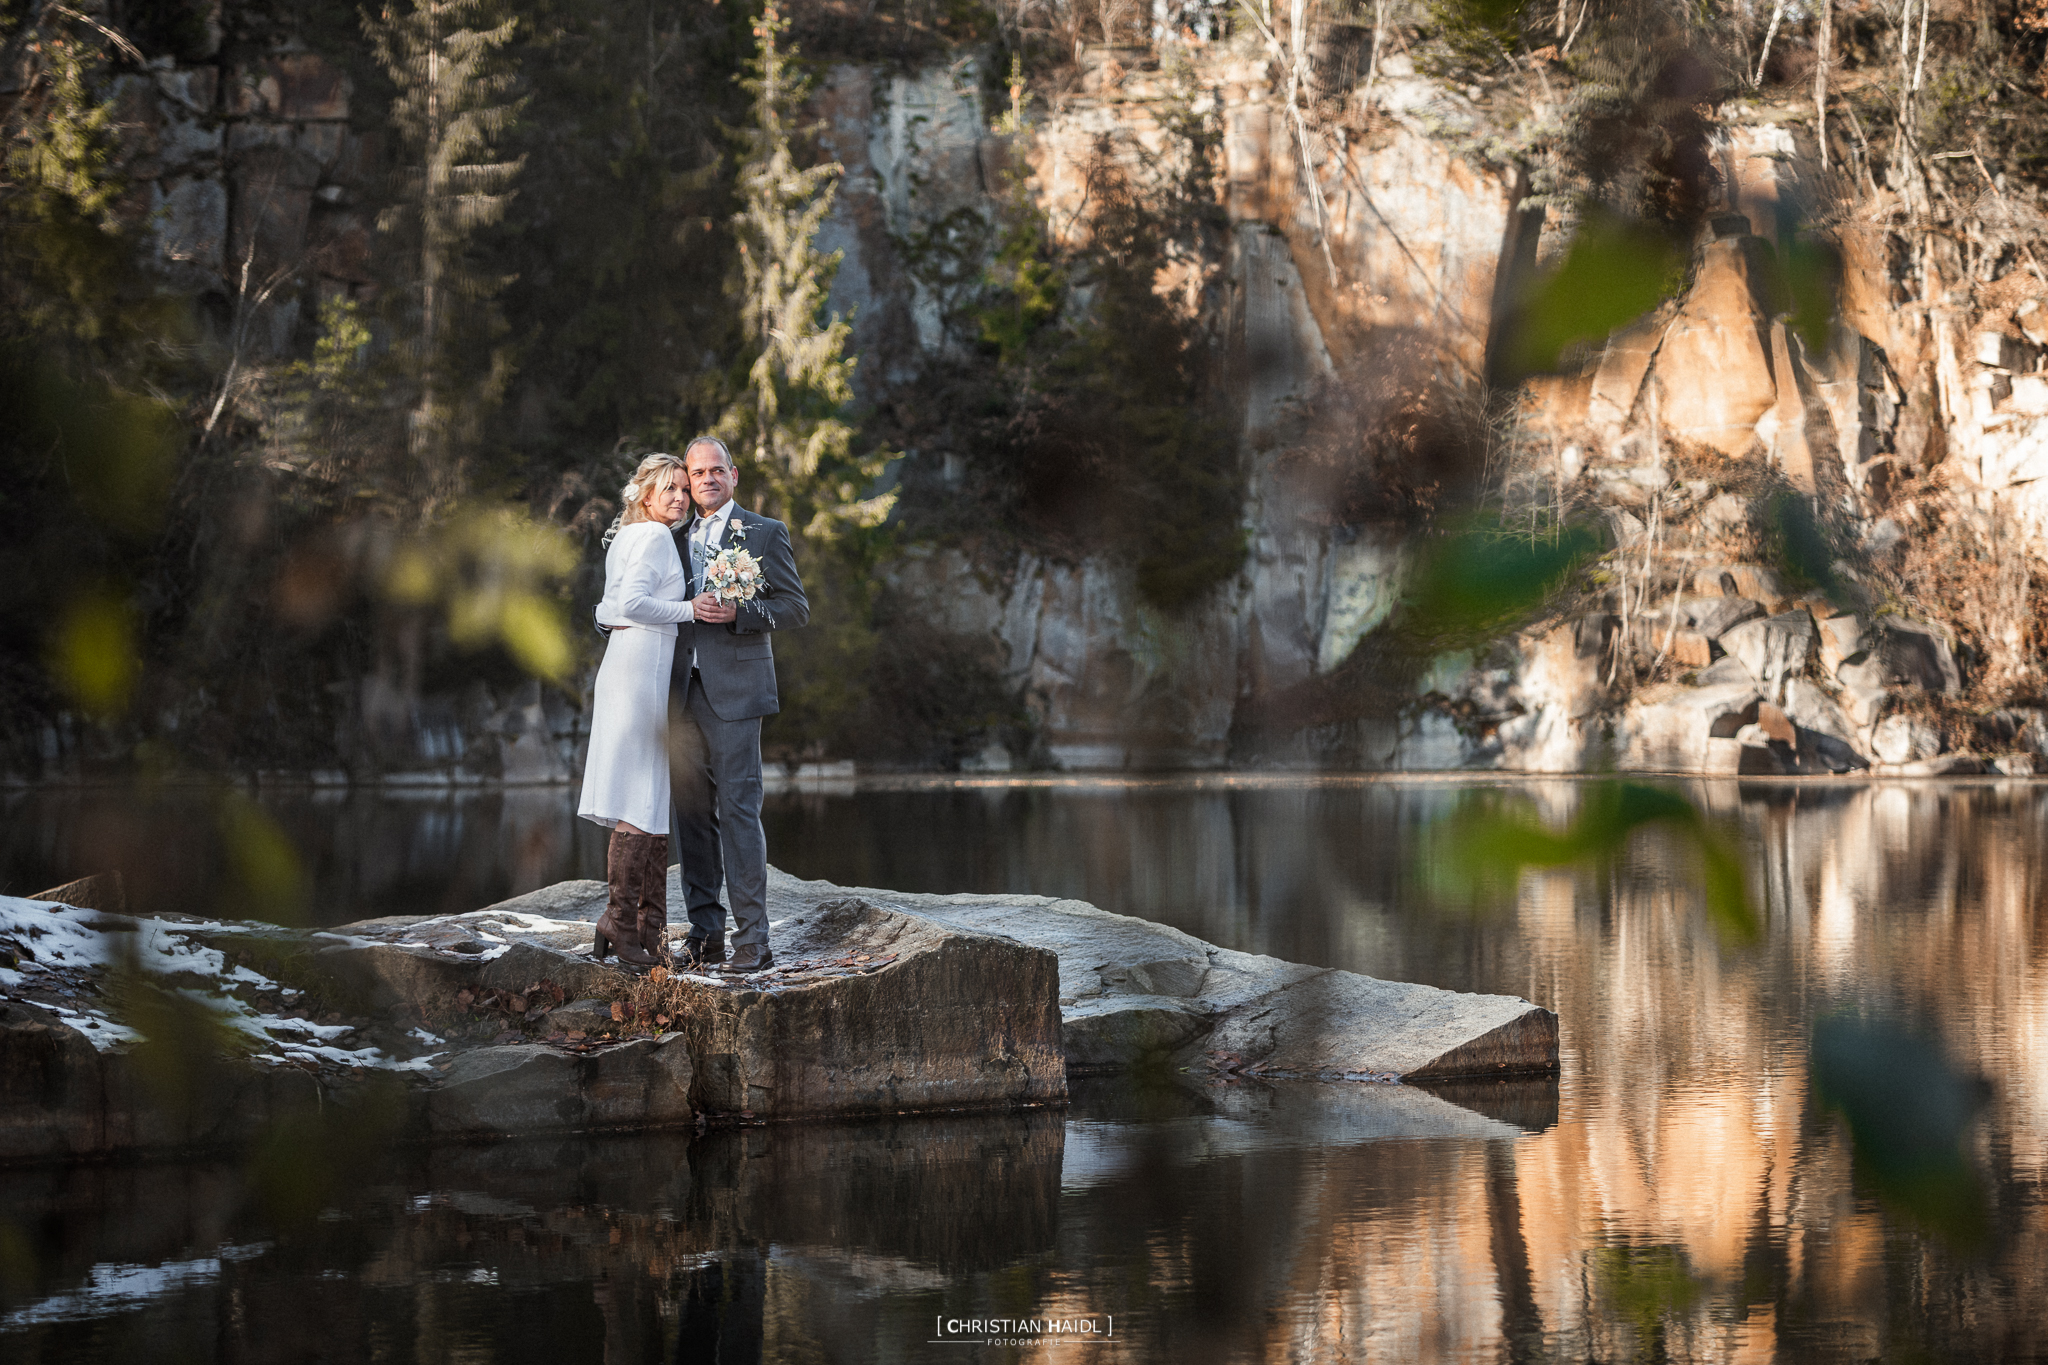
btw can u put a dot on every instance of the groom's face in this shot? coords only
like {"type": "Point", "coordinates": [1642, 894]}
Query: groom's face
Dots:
{"type": "Point", "coordinates": [712, 479]}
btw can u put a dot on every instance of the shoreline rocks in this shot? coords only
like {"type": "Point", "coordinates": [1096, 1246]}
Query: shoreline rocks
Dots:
{"type": "Point", "coordinates": [883, 1003]}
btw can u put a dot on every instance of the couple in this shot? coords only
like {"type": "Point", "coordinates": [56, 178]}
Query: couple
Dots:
{"type": "Point", "coordinates": [677, 709]}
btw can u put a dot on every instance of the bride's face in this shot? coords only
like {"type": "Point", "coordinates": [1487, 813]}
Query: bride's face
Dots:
{"type": "Point", "coordinates": [668, 500]}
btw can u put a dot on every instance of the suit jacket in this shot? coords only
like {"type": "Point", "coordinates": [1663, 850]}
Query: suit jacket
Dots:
{"type": "Point", "coordinates": [736, 660]}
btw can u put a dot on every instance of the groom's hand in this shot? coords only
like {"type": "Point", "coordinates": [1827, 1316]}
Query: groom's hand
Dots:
{"type": "Point", "coordinates": [711, 611]}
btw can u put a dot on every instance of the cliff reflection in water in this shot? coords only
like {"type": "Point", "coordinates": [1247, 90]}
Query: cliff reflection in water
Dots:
{"type": "Point", "coordinates": [1694, 1199]}
{"type": "Point", "coordinates": [1681, 1193]}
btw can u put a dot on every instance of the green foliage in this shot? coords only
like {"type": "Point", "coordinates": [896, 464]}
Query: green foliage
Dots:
{"type": "Point", "coordinates": [339, 351]}
{"type": "Point", "coordinates": [454, 82]}
{"type": "Point", "coordinates": [823, 670]}
{"type": "Point", "coordinates": [1025, 290]}
{"type": "Point", "coordinates": [1490, 847]}
{"type": "Point", "coordinates": [1813, 273]}
{"type": "Point", "coordinates": [616, 256]}
{"type": "Point", "coordinates": [64, 147]}
{"type": "Point", "coordinates": [1614, 272]}
{"type": "Point", "coordinates": [1908, 1109]}
{"type": "Point", "coordinates": [494, 573]}
{"type": "Point", "coordinates": [1647, 1286]}
{"type": "Point", "coordinates": [1111, 436]}
{"type": "Point", "coordinates": [1795, 539]}
{"type": "Point", "coordinates": [267, 880]}
{"type": "Point", "coordinates": [788, 428]}
{"type": "Point", "coordinates": [93, 651]}
{"type": "Point", "coordinates": [1481, 33]}
{"type": "Point", "coordinates": [84, 473]}
{"type": "Point", "coordinates": [1482, 579]}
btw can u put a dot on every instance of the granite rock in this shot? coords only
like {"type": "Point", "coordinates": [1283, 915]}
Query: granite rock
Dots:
{"type": "Point", "coordinates": [1134, 993]}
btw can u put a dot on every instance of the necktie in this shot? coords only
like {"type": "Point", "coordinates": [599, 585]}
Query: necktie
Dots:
{"type": "Point", "coordinates": [700, 554]}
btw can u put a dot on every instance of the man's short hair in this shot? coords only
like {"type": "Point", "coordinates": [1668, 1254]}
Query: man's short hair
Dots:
{"type": "Point", "coordinates": [709, 441]}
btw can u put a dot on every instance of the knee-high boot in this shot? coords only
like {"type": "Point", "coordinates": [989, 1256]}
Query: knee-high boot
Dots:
{"type": "Point", "coordinates": [653, 903]}
{"type": "Point", "coordinates": [618, 928]}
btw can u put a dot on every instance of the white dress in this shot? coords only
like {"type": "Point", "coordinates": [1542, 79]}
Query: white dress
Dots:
{"type": "Point", "coordinates": [626, 776]}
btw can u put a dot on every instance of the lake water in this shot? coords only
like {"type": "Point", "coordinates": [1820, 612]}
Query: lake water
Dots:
{"type": "Point", "coordinates": [1829, 1143]}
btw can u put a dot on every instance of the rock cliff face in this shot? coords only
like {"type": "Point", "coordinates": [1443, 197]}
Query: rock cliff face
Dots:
{"type": "Point", "coordinates": [1411, 256]}
{"type": "Point", "coordinates": [1699, 656]}
{"type": "Point", "coordinates": [1416, 236]}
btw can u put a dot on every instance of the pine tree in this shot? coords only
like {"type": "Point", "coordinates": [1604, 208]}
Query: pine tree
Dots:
{"type": "Point", "coordinates": [788, 428]}
{"type": "Point", "coordinates": [452, 75]}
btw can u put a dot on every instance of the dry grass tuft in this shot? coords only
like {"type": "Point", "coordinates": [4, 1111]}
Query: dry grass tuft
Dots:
{"type": "Point", "coordinates": [655, 1003]}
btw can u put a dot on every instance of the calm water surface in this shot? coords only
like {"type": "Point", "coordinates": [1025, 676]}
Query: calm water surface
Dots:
{"type": "Point", "coordinates": [1681, 1193]}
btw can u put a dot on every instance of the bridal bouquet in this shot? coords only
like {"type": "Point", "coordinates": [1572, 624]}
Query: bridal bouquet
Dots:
{"type": "Point", "coordinates": [733, 576]}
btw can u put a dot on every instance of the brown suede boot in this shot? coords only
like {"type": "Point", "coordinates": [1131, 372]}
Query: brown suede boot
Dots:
{"type": "Point", "coordinates": [653, 904]}
{"type": "Point", "coordinates": [618, 928]}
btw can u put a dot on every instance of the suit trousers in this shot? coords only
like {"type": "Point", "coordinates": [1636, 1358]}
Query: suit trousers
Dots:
{"type": "Point", "coordinates": [715, 775]}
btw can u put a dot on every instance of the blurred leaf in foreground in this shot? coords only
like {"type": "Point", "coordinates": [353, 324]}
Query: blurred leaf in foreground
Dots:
{"type": "Point", "coordinates": [1647, 1286]}
{"type": "Point", "coordinates": [1795, 538]}
{"type": "Point", "coordinates": [311, 1156]}
{"type": "Point", "coordinates": [93, 656]}
{"type": "Point", "coordinates": [1908, 1109]}
{"type": "Point", "coordinates": [1616, 271]}
{"type": "Point", "coordinates": [1813, 273]}
{"type": "Point", "coordinates": [1488, 845]}
{"type": "Point", "coordinates": [495, 571]}
{"type": "Point", "coordinates": [18, 1263]}
{"type": "Point", "coordinates": [185, 1043]}
{"type": "Point", "coordinates": [269, 881]}
{"type": "Point", "coordinates": [1479, 581]}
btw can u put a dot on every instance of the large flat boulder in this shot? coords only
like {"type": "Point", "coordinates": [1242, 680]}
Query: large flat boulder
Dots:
{"type": "Point", "coordinates": [905, 1015]}
{"type": "Point", "coordinates": [880, 1003]}
{"type": "Point", "coordinates": [1134, 993]}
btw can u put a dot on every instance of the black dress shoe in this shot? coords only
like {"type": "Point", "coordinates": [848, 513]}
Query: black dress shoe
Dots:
{"type": "Point", "coordinates": [702, 952]}
{"type": "Point", "coordinates": [751, 957]}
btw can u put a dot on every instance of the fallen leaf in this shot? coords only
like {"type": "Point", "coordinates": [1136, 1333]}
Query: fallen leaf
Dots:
{"type": "Point", "coordinates": [577, 1035]}
{"type": "Point", "coordinates": [661, 1019]}
{"type": "Point", "coordinates": [863, 957]}
{"type": "Point", "coordinates": [517, 1004]}
{"type": "Point", "coordinates": [465, 997]}
{"type": "Point", "coordinates": [658, 975]}
{"type": "Point", "coordinates": [618, 1012]}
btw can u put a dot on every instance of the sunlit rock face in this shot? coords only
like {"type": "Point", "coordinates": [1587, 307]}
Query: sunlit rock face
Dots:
{"type": "Point", "coordinates": [1424, 248]}
{"type": "Point", "coordinates": [1713, 373]}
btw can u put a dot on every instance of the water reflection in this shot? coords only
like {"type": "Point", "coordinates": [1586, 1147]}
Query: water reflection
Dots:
{"type": "Point", "coordinates": [1685, 1192]}
{"type": "Point", "coordinates": [364, 853]}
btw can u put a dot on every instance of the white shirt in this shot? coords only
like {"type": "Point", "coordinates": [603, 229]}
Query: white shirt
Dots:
{"type": "Point", "coordinates": [708, 532]}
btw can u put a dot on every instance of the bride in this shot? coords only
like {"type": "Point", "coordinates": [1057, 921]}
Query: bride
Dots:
{"type": "Point", "coordinates": [625, 781]}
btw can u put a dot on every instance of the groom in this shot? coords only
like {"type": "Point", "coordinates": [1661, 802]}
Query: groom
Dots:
{"type": "Point", "coordinates": [722, 684]}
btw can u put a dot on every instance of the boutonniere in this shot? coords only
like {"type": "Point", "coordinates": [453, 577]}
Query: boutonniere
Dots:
{"type": "Point", "coordinates": [735, 530]}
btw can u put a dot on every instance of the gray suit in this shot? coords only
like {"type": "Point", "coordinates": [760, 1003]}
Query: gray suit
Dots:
{"type": "Point", "coordinates": [715, 712]}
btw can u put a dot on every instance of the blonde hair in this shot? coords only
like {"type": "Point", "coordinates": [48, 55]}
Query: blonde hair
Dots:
{"type": "Point", "coordinates": [654, 472]}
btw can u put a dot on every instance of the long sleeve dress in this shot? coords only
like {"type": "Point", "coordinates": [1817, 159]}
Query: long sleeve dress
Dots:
{"type": "Point", "coordinates": [626, 775]}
